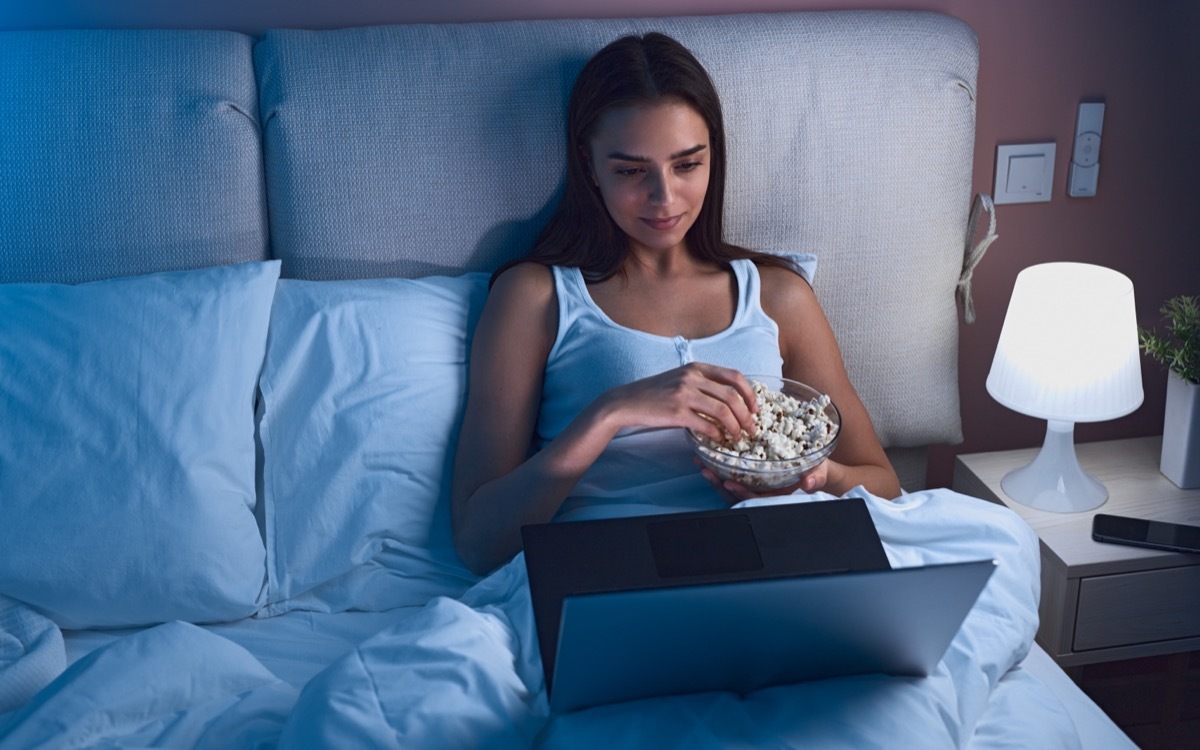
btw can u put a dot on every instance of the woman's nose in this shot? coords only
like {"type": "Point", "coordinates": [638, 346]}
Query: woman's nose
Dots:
{"type": "Point", "coordinates": [660, 189]}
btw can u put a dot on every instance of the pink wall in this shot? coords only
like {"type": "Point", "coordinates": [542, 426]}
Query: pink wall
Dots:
{"type": "Point", "coordinates": [1039, 58]}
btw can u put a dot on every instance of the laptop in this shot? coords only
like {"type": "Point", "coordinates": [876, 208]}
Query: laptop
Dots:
{"type": "Point", "coordinates": [735, 599]}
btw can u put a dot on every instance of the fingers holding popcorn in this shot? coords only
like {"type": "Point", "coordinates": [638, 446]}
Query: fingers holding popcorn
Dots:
{"type": "Point", "coordinates": [795, 430]}
{"type": "Point", "coordinates": [710, 400]}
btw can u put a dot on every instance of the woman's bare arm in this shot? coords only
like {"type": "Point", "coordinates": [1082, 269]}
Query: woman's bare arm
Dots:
{"type": "Point", "coordinates": [811, 355]}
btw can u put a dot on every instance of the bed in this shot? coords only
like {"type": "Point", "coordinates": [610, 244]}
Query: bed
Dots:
{"type": "Point", "coordinates": [238, 279]}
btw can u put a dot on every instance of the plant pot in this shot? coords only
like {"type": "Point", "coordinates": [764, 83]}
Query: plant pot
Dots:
{"type": "Point", "coordinates": [1181, 433]}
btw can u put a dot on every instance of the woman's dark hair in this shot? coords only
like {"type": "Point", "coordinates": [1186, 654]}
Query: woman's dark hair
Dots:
{"type": "Point", "coordinates": [631, 71]}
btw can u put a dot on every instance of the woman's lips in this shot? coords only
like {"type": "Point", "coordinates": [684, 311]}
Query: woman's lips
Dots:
{"type": "Point", "coordinates": [662, 224]}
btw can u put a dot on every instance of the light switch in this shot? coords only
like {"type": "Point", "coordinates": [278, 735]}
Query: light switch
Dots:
{"type": "Point", "coordinates": [1024, 173]}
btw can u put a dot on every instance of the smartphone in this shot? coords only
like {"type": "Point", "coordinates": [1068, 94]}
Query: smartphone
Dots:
{"type": "Point", "coordinates": [1139, 532]}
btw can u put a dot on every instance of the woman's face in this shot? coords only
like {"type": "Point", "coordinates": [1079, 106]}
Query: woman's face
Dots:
{"type": "Point", "coordinates": [651, 164]}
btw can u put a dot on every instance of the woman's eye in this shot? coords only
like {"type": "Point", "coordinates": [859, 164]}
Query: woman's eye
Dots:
{"type": "Point", "coordinates": [688, 166]}
{"type": "Point", "coordinates": [628, 171]}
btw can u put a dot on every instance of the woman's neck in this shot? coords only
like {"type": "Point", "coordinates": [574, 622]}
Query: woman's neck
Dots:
{"type": "Point", "coordinates": [658, 265]}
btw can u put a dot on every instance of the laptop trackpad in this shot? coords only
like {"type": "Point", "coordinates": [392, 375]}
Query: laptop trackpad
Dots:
{"type": "Point", "coordinates": [704, 546]}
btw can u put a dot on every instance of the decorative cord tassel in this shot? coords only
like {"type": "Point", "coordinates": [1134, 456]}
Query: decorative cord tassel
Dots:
{"type": "Point", "coordinates": [972, 254]}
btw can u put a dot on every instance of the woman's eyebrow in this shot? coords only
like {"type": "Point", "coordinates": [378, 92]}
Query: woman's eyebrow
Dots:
{"type": "Point", "coordinates": [620, 156]}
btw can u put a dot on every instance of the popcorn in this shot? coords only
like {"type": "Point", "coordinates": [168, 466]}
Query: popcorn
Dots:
{"type": "Point", "coordinates": [785, 427]}
{"type": "Point", "coordinates": [795, 433]}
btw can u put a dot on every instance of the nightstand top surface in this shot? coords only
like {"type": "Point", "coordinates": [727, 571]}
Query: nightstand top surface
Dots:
{"type": "Point", "coordinates": [1129, 469]}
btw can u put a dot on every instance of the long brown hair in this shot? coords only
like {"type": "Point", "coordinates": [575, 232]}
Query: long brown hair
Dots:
{"type": "Point", "coordinates": [631, 71]}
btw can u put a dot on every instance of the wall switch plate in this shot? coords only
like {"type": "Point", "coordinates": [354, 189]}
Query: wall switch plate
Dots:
{"type": "Point", "coordinates": [1024, 173]}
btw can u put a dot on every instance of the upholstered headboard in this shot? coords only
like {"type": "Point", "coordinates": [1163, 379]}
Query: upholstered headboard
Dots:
{"type": "Point", "coordinates": [125, 152]}
{"type": "Point", "coordinates": [435, 149]}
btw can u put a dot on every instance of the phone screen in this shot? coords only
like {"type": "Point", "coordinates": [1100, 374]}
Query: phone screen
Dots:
{"type": "Point", "coordinates": [1140, 531]}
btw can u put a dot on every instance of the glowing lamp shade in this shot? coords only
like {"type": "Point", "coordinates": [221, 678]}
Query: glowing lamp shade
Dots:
{"type": "Point", "coordinates": [1068, 353]}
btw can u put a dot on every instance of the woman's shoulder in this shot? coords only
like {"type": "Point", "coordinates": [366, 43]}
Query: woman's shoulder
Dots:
{"type": "Point", "coordinates": [522, 302]}
{"type": "Point", "coordinates": [525, 279]}
{"type": "Point", "coordinates": [523, 293]}
{"type": "Point", "coordinates": [783, 288]}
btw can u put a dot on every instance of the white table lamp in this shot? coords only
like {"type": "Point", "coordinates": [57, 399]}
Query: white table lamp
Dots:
{"type": "Point", "coordinates": [1068, 353]}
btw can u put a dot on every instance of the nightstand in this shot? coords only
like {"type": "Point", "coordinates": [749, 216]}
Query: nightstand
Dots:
{"type": "Point", "coordinates": [1104, 602]}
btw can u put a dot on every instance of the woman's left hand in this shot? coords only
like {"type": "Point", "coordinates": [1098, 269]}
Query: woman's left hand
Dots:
{"type": "Point", "coordinates": [735, 492]}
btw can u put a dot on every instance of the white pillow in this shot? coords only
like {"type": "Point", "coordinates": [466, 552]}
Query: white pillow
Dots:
{"type": "Point", "coordinates": [363, 391]}
{"type": "Point", "coordinates": [127, 446]}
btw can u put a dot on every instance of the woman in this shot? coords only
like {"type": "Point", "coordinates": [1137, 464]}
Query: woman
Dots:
{"type": "Point", "coordinates": [631, 318]}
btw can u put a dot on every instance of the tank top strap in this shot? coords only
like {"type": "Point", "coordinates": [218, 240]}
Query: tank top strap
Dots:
{"type": "Point", "coordinates": [749, 304]}
{"type": "Point", "coordinates": [571, 293]}
{"type": "Point", "coordinates": [569, 285]}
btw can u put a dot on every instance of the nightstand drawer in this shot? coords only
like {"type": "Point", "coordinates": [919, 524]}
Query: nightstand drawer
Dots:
{"type": "Point", "coordinates": [1133, 608]}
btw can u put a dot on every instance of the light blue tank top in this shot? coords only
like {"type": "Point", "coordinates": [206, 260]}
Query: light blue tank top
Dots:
{"type": "Point", "coordinates": [643, 470]}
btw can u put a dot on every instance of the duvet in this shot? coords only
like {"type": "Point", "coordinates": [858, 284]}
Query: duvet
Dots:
{"type": "Point", "coordinates": [466, 673]}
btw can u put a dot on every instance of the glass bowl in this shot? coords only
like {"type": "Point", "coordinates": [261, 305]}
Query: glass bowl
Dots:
{"type": "Point", "coordinates": [767, 473]}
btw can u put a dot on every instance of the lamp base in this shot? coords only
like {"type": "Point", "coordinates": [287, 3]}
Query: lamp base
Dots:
{"type": "Point", "coordinates": [1054, 480]}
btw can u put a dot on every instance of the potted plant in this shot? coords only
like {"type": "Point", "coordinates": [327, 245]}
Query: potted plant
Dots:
{"type": "Point", "coordinates": [1179, 352]}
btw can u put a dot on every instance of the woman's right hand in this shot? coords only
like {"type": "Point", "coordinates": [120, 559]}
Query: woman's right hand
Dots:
{"type": "Point", "coordinates": [711, 400]}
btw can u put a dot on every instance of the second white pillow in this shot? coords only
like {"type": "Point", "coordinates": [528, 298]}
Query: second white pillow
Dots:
{"type": "Point", "coordinates": [363, 391]}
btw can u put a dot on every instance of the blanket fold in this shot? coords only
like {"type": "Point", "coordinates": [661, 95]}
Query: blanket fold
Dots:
{"type": "Point", "coordinates": [174, 685]}
{"type": "Point", "coordinates": [31, 653]}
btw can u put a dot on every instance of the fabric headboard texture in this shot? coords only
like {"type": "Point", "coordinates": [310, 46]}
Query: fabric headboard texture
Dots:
{"type": "Point", "coordinates": [411, 150]}
{"type": "Point", "coordinates": [126, 152]}
{"type": "Point", "coordinates": [437, 149]}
